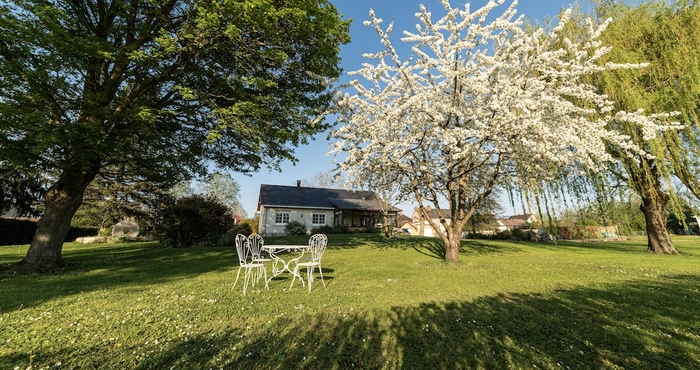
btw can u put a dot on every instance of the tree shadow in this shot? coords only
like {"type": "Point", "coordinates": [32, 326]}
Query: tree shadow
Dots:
{"type": "Point", "coordinates": [483, 247]}
{"type": "Point", "coordinates": [630, 325]}
{"type": "Point", "coordinates": [623, 246]}
{"type": "Point", "coordinates": [621, 326]}
{"type": "Point", "coordinates": [115, 265]}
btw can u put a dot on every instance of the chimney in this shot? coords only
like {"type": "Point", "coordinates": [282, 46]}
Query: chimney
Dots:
{"type": "Point", "coordinates": [298, 184]}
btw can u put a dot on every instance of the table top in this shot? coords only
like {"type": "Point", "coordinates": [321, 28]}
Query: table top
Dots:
{"type": "Point", "coordinates": [284, 246]}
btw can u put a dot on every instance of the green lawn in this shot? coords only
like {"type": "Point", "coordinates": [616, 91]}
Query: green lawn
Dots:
{"type": "Point", "coordinates": [389, 304]}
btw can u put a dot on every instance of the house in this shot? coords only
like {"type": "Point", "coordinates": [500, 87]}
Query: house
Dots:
{"type": "Point", "coordinates": [278, 205]}
{"type": "Point", "coordinates": [421, 226]}
{"type": "Point", "coordinates": [405, 224]}
{"type": "Point", "coordinates": [516, 221]}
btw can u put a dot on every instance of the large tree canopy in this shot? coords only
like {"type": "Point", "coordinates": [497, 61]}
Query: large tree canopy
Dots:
{"type": "Point", "coordinates": [158, 88]}
{"type": "Point", "coordinates": [666, 35]}
{"type": "Point", "coordinates": [480, 99]}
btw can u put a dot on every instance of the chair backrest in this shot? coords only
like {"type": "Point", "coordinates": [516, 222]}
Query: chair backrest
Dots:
{"type": "Point", "coordinates": [317, 245]}
{"type": "Point", "coordinates": [242, 248]}
{"type": "Point", "coordinates": [256, 243]}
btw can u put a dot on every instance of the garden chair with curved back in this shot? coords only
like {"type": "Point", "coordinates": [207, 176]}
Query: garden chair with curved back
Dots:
{"type": "Point", "coordinates": [246, 262]}
{"type": "Point", "coordinates": [317, 245]}
{"type": "Point", "coordinates": [256, 244]}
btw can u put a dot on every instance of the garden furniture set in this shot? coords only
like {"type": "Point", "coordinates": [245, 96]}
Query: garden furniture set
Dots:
{"type": "Point", "coordinates": [282, 257]}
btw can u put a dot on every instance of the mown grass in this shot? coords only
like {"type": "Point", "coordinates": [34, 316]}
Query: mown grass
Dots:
{"type": "Point", "coordinates": [389, 304]}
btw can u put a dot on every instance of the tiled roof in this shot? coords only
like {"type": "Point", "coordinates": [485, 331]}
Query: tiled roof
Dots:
{"type": "Point", "coordinates": [512, 222]}
{"type": "Point", "coordinates": [433, 214]}
{"type": "Point", "coordinates": [305, 197]}
{"type": "Point", "coordinates": [359, 204]}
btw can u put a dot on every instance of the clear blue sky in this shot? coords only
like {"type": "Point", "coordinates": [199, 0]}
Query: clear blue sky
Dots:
{"type": "Point", "coordinates": [312, 157]}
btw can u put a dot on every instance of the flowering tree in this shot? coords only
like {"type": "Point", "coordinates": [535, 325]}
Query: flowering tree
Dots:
{"type": "Point", "coordinates": [478, 102]}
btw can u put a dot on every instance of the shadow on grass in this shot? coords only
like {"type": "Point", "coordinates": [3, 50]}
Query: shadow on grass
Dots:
{"type": "Point", "coordinates": [474, 247]}
{"type": "Point", "coordinates": [632, 325]}
{"type": "Point", "coordinates": [626, 326]}
{"type": "Point", "coordinates": [109, 266]}
{"type": "Point", "coordinates": [431, 247]}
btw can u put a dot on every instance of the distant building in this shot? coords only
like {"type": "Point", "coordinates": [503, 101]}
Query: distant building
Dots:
{"type": "Point", "coordinates": [418, 225]}
{"type": "Point", "coordinates": [516, 222]}
{"type": "Point", "coordinates": [278, 205]}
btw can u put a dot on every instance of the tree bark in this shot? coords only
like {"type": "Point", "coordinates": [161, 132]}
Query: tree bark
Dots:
{"type": "Point", "coordinates": [62, 201]}
{"type": "Point", "coordinates": [654, 210]}
{"type": "Point", "coordinates": [452, 245]}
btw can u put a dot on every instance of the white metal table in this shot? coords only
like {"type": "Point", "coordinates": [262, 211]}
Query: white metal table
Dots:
{"type": "Point", "coordinates": [279, 263]}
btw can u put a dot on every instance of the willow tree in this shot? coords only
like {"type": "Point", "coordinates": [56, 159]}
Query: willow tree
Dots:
{"type": "Point", "coordinates": [666, 35]}
{"type": "Point", "coordinates": [480, 99]}
{"type": "Point", "coordinates": [162, 87]}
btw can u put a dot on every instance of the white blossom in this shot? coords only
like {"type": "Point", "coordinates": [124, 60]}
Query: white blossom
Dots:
{"type": "Point", "coordinates": [487, 98]}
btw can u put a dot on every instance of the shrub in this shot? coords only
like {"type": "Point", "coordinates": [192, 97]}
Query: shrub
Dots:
{"type": "Point", "coordinates": [241, 228]}
{"type": "Point", "coordinates": [579, 231]}
{"type": "Point", "coordinates": [504, 235]}
{"type": "Point", "coordinates": [227, 240]}
{"type": "Point", "coordinates": [480, 236]}
{"type": "Point", "coordinates": [369, 229]}
{"type": "Point", "coordinates": [295, 228]}
{"type": "Point", "coordinates": [191, 220]}
{"type": "Point", "coordinates": [519, 234]}
{"type": "Point", "coordinates": [564, 233]}
{"type": "Point", "coordinates": [330, 229]}
{"type": "Point", "coordinates": [13, 231]}
{"type": "Point", "coordinates": [16, 231]}
{"type": "Point", "coordinates": [253, 223]}
{"type": "Point", "coordinates": [79, 232]}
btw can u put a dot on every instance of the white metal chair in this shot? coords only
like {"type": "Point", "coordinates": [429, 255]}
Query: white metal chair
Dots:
{"type": "Point", "coordinates": [246, 262]}
{"type": "Point", "coordinates": [256, 243]}
{"type": "Point", "coordinates": [317, 245]}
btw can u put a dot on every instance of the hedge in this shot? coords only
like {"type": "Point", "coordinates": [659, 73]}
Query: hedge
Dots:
{"type": "Point", "coordinates": [14, 232]}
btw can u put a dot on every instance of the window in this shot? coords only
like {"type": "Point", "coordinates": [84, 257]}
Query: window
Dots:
{"type": "Point", "coordinates": [281, 217]}
{"type": "Point", "coordinates": [364, 221]}
{"type": "Point", "coordinates": [318, 219]}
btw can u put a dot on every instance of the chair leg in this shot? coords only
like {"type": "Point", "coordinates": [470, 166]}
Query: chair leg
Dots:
{"type": "Point", "coordinates": [294, 276]}
{"type": "Point", "coordinates": [264, 270]}
{"type": "Point", "coordinates": [237, 274]}
{"type": "Point", "coordinates": [309, 276]}
{"type": "Point", "coordinates": [248, 272]}
{"type": "Point", "coordinates": [320, 271]}
{"type": "Point", "coordinates": [265, 273]}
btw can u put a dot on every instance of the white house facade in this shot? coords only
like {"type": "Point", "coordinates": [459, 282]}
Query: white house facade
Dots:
{"type": "Point", "coordinates": [278, 205]}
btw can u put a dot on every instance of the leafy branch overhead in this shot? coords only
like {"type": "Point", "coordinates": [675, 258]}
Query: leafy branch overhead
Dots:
{"type": "Point", "coordinates": [162, 89]}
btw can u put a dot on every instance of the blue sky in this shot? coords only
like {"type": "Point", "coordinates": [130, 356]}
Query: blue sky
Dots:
{"type": "Point", "coordinates": [312, 157]}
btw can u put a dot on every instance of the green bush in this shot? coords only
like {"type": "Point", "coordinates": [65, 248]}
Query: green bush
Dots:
{"type": "Point", "coordinates": [295, 228]}
{"type": "Point", "coordinates": [241, 228]}
{"type": "Point", "coordinates": [518, 234]}
{"type": "Point", "coordinates": [503, 235]}
{"type": "Point", "coordinates": [227, 240]}
{"type": "Point", "coordinates": [13, 231]}
{"type": "Point", "coordinates": [580, 231]}
{"type": "Point", "coordinates": [191, 220]}
{"type": "Point", "coordinates": [16, 231]}
{"type": "Point", "coordinates": [369, 229]}
{"type": "Point", "coordinates": [330, 229]}
{"type": "Point", "coordinates": [79, 232]}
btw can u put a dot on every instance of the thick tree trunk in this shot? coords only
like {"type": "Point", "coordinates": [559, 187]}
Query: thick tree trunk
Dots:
{"type": "Point", "coordinates": [62, 201]}
{"type": "Point", "coordinates": [654, 210]}
{"type": "Point", "coordinates": [452, 249]}
{"type": "Point", "coordinates": [453, 241]}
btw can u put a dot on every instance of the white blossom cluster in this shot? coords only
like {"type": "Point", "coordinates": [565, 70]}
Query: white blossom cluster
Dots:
{"type": "Point", "coordinates": [481, 93]}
